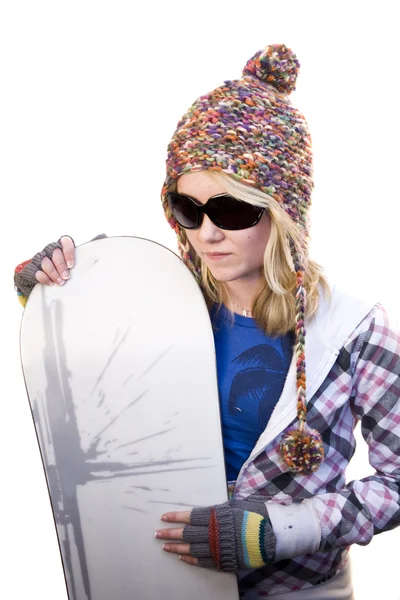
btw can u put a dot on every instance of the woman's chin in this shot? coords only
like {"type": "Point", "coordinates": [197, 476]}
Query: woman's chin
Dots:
{"type": "Point", "coordinates": [225, 275]}
{"type": "Point", "coordinates": [228, 275]}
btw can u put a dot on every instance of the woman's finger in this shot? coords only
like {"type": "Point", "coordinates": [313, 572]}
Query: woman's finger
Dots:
{"type": "Point", "coordinates": [43, 278]}
{"type": "Point", "coordinates": [176, 548]}
{"type": "Point", "coordinates": [50, 270]}
{"type": "Point", "coordinates": [177, 517]}
{"type": "Point", "coordinates": [68, 251]}
{"type": "Point", "coordinates": [189, 560]}
{"type": "Point", "coordinates": [169, 534]}
{"type": "Point", "coordinates": [60, 264]}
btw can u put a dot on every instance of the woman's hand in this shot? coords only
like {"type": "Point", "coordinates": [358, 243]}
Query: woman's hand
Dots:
{"type": "Point", "coordinates": [176, 535]}
{"type": "Point", "coordinates": [48, 267]}
{"type": "Point", "coordinates": [229, 537]}
{"type": "Point", "coordinates": [51, 265]}
{"type": "Point", "coordinates": [56, 262]}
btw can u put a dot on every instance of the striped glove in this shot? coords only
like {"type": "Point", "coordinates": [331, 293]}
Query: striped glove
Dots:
{"type": "Point", "coordinates": [24, 276]}
{"type": "Point", "coordinates": [231, 536]}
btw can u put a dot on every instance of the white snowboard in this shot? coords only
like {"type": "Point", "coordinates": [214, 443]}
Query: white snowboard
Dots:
{"type": "Point", "coordinates": [119, 366]}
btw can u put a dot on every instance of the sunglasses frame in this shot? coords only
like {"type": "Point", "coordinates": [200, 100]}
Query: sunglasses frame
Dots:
{"type": "Point", "coordinates": [203, 209]}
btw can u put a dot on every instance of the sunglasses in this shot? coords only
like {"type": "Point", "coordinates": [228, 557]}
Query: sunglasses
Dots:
{"type": "Point", "coordinates": [225, 211]}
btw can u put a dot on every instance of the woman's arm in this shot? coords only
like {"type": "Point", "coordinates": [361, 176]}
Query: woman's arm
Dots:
{"type": "Point", "coordinates": [370, 505]}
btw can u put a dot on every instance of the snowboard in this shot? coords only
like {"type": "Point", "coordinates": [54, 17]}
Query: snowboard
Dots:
{"type": "Point", "coordinates": [119, 367]}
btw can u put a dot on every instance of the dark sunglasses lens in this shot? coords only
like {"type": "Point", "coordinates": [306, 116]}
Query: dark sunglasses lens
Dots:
{"type": "Point", "coordinates": [229, 213]}
{"type": "Point", "coordinates": [184, 210]}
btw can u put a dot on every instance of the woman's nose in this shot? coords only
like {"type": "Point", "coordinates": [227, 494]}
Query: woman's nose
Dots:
{"type": "Point", "coordinates": [208, 232]}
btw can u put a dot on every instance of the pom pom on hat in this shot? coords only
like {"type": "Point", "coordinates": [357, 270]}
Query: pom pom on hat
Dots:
{"type": "Point", "coordinates": [276, 65]}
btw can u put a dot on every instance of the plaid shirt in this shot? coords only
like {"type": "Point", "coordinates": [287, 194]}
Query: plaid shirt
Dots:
{"type": "Point", "coordinates": [362, 383]}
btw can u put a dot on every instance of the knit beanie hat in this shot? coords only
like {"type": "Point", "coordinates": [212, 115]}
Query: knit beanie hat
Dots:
{"type": "Point", "coordinates": [249, 129]}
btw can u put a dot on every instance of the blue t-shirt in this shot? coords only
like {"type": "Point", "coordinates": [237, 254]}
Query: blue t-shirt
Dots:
{"type": "Point", "coordinates": [252, 369]}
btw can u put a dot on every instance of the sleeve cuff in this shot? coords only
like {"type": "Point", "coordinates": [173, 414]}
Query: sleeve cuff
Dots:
{"type": "Point", "coordinates": [296, 527]}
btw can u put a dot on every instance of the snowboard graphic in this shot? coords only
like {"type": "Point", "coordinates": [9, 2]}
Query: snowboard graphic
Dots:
{"type": "Point", "coordinates": [119, 366]}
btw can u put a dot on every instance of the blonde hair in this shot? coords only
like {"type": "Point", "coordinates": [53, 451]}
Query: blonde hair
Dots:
{"type": "Point", "coordinates": [274, 306]}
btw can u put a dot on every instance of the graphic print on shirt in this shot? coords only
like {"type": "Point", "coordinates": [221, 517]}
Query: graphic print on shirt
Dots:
{"type": "Point", "coordinates": [252, 368]}
{"type": "Point", "coordinates": [259, 381]}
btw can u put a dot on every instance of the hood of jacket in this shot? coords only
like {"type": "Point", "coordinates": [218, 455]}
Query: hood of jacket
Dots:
{"type": "Point", "coordinates": [336, 319]}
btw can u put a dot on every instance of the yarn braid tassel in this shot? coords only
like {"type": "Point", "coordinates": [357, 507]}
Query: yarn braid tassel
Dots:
{"type": "Point", "coordinates": [302, 448]}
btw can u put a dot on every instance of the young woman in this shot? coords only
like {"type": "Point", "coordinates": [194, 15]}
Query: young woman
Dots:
{"type": "Point", "coordinates": [237, 193]}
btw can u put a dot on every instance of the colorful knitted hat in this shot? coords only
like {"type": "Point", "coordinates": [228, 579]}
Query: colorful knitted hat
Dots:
{"type": "Point", "coordinates": [249, 129]}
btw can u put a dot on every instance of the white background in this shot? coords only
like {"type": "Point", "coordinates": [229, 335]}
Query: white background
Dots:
{"type": "Point", "coordinates": [91, 92]}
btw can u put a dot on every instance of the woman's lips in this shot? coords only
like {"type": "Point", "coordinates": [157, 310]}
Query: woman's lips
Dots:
{"type": "Point", "coordinates": [215, 255]}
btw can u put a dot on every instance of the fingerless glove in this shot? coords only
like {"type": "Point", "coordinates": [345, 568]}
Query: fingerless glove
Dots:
{"type": "Point", "coordinates": [231, 536]}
